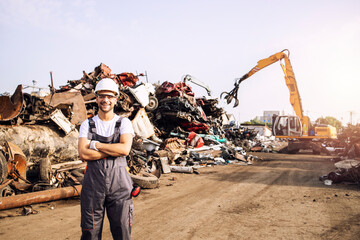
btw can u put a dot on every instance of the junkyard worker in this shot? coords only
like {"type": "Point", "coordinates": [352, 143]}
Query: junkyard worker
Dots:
{"type": "Point", "coordinates": [104, 142]}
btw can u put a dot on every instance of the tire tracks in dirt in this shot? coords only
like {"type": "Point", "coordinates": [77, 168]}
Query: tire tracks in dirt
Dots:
{"type": "Point", "coordinates": [207, 197]}
{"type": "Point", "coordinates": [342, 229]}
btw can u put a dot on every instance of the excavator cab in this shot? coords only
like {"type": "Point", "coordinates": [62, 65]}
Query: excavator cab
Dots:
{"type": "Point", "coordinates": [287, 126]}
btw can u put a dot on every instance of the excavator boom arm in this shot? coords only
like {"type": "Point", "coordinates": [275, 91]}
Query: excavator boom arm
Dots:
{"type": "Point", "coordinates": [290, 80]}
{"type": "Point", "coordinates": [285, 126]}
{"type": "Point", "coordinates": [264, 63]}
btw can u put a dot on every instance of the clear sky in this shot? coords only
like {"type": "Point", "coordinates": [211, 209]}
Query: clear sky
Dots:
{"type": "Point", "coordinates": [215, 41]}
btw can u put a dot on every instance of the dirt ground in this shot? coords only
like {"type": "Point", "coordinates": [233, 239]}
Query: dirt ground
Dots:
{"type": "Point", "coordinates": [279, 197]}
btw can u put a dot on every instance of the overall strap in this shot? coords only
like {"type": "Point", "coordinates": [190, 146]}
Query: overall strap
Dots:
{"type": "Point", "coordinates": [115, 138]}
{"type": "Point", "coordinates": [92, 128]}
{"type": "Point", "coordinates": [117, 131]}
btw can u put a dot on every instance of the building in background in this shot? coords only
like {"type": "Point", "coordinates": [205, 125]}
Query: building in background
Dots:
{"type": "Point", "coordinates": [267, 116]}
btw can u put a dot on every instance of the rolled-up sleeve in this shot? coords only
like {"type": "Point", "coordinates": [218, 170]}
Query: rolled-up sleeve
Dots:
{"type": "Point", "coordinates": [126, 127]}
{"type": "Point", "coordinates": [84, 129]}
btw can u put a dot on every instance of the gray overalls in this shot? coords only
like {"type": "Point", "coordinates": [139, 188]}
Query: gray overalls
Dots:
{"type": "Point", "coordinates": [106, 185]}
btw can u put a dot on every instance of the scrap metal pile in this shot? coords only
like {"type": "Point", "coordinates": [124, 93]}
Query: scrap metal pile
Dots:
{"type": "Point", "coordinates": [175, 132]}
{"type": "Point", "coordinates": [347, 151]}
{"type": "Point", "coordinates": [349, 141]}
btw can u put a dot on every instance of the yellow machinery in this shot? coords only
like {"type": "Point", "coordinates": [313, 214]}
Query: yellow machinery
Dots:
{"type": "Point", "coordinates": [296, 127]}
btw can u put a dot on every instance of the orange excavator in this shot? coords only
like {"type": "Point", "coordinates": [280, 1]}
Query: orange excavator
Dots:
{"type": "Point", "coordinates": [298, 129]}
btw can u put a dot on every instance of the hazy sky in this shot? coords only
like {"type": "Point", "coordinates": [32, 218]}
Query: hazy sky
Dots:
{"type": "Point", "coordinates": [215, 41]}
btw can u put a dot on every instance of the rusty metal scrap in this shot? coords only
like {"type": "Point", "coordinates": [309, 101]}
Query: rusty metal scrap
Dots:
{"type": "Point", "coordinates": [174, 144]}
{"type": "Point", "coordinates": [87, 83]}
{"type": "Point", "coordinates": [10, 107]}
{"type": "Point", "coordinates": [16, 161]}
{"type": "Point", "coordinates": [5, 190]}
{"type": "Point", "coordinates": [136, 161]}
{"type": "Point", "coordinates": [125, 102]}
{"type": "Point", "coordinates": [71, 103]}
{"type": "Point", "coordinates": [100, 72]}
{"type": "Point", "coordinates": [34, 109]}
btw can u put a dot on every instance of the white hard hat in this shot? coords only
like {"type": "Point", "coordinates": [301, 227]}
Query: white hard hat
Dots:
{"type": "Point", "coordinates": [107, 84]}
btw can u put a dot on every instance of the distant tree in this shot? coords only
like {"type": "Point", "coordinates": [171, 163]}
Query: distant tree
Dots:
{"type": "Point", "coordinates": [254, 121]}
{"type": "Point", "coordinates": [330, 121]}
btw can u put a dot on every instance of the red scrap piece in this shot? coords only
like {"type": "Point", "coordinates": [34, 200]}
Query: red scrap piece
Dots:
{"type": "Point", "coordinates": [194, 127]}
{"type": "Point", "coordinates": [200, 102]}
{"type": "Point", "coordinates": [126, 79]}
{"type": "Point", "coordinates": [194, 140]}
{"type": "Point", "coordinates": [175, 90]}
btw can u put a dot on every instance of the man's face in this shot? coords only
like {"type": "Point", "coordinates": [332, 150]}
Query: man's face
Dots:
{"type": "Point", "coordinates": [106, 100]}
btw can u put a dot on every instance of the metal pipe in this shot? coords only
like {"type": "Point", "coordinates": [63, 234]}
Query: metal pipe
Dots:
{"type": "Point", "coordinates": [52, 89]}
{"type": "Point", "coordinates": [181, 169]}
{"type": "Point", "coordinates": [39, 197]}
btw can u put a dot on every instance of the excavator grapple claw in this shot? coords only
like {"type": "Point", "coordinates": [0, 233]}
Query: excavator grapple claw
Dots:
{"type": "Point", "coordinates": [226, 93]}
{"type": "Point", "coordinates": [236, 102]}
{"type": "Point", "coordinates": [229, 97]}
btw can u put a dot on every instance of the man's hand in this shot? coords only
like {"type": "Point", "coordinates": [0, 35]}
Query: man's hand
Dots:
{"type": "Point", "coordinates": [88, 154]}
{"type": "Point", "coordinates": [93, 146]}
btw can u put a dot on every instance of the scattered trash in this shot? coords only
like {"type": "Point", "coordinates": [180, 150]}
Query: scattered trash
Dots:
{"type": "Point", "coordinates": [328, 182]}
{"type": "Point", "coordinates": [27, 210]}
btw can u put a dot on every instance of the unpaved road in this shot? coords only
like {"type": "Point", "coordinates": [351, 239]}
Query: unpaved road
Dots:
{"type": "Point", "coordinates": [279, 197]}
